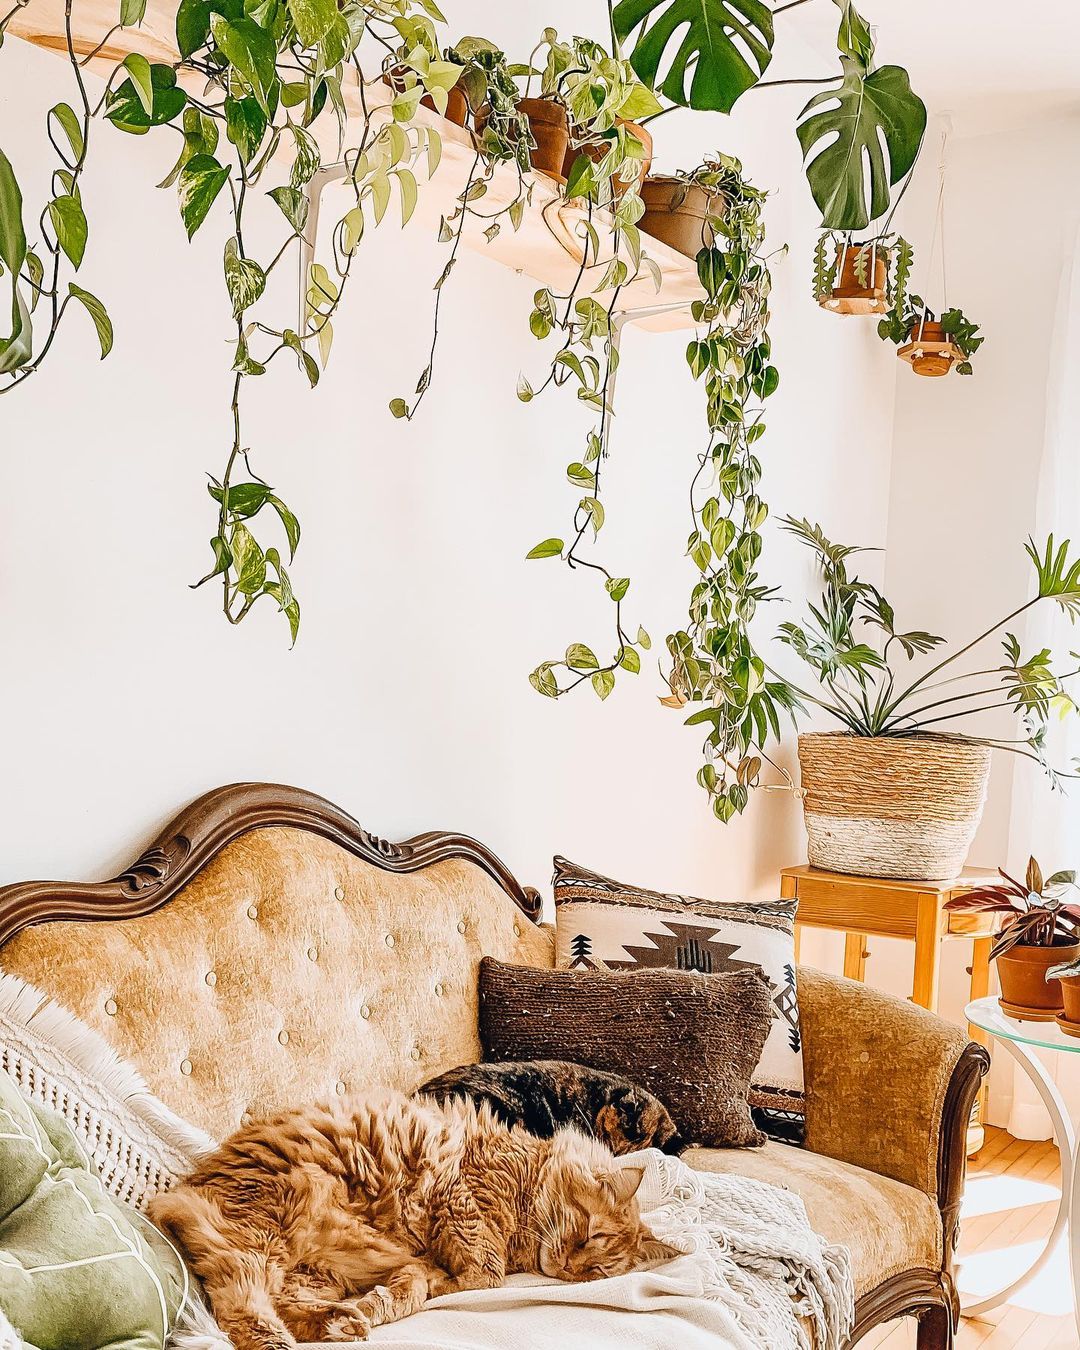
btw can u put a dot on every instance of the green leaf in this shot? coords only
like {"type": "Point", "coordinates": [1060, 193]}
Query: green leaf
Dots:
{"type": "Point", "coordinates": [96, 310]}
{"type": "Point", "coordinates": [69, 222]}
{"type": "Point", "coordinates": [617, 587]}
{"type": "Point", "coordinates": [580, 657]}
{"type": "Point", "coordinates": [547, 548]}
{"type": "Point", "coordinates": [843, 129]}
{"type": "Point", "coordinates": [630, 661]}
{"type": "Point", "coordinates": [17, 348]}
{"type": "Point", "coordinates": [603, 682]}
{"type": "Point", "coordinates": [581, 181]}
{"type": "Point", "coordinates": [192, 26]}
{"type": "Point", "coordinates": [72, 127]}
{"type": "Point", "coordinates": [307, 362]}
{"type": "Point", "coordinates": [293, 204]}
{"type": "Point", "coordinates": [291, 524]}
{"type": "Point", "coordinates": [578, 473]}
{"type": "Point", "coordinates": [644, 640]}
{"type": "Point", "coordinates": [292, 613]}
{"type": "Point", "coordinates": [138, 67]}
{"type": "Point", "coordinates": [854, 38]}
{"type": "Point", "coordinates": [245, 126]}
{"type": "Point", "coordinates": [251, 52]}
{"type": "Point", "coordinates": [222, 560]}
{"type": "Point", "coordinates": [244, 498]}
{"type": "Point", "coordinates": [125, 109]}
{"type": "Point", "coordinates": [725, 45]}
{"type": "Point", "coordinates": [12, 234]}
{"type": "Point", "coordinates": [399, 408]}
{"type": "Point", "coordinates": [544, 682]}
{"type": "Point", "coordinates": [313, 19]}
{"type": "Point", "coordinates": [131, 13]}
{"type": "Point", "coordinates": [249, 561]}
{"type": "Point", "coordinates": [201, 179]}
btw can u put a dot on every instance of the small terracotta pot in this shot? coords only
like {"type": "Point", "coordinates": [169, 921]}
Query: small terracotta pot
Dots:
{"type": "Point", "coordinates": [596, 153]}
{"type": "Point", "coordinates": [550, 128]}
{"type": "Point", "coordinates": [1022, 972]}
{"type": "Point", "coordinates": [930, 363]}
{"type": "Point", "coordinates": [676, 211]}
{"type": "Point", "coordinates": [1070, 996]}
{"type": "Point", "coordinates": [849, 295]}
{"type": "Point", "coordinates": [457, 105]}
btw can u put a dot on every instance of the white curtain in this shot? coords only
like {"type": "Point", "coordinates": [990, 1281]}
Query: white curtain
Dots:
{"type": "Point", "coordinates": [1049, 825]}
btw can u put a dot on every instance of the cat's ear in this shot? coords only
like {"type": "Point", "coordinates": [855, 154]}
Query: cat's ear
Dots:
{"type": "Point", "coordinates": [625, 1181]}
{"type": "Point", "coordinates": [652, 1249]}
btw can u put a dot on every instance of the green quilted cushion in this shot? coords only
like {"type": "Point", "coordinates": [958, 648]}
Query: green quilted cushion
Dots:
{"type": "Point", "coordinates": [78, 1269]}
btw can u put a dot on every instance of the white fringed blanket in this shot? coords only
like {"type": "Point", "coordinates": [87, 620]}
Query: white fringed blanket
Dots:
{"type": "Point", "coordinates": [753, 1276]}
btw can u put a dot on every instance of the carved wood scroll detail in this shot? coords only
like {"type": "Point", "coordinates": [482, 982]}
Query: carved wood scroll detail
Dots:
{"type": "Point", "coordinates": [211, 822]}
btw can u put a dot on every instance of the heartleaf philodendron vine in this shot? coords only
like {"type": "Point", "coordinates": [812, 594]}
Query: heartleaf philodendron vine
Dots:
{"type": "Point", "coordinates": [265, 96]}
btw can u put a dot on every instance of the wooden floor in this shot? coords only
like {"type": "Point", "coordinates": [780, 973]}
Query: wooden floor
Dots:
{"type": "Point", "coordinates": [1009, 1206]}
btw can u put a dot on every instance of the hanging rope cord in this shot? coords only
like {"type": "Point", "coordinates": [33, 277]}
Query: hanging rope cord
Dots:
{"type": "Point", "coordinates": [939, 232]}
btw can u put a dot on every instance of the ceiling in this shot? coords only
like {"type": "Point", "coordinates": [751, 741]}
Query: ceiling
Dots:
{"type": "Point", "coordinates": [968, 55]}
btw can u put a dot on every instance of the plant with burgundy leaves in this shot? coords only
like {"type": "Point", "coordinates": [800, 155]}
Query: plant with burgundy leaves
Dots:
{"type": "Point", "coordinates": [1039, 912]}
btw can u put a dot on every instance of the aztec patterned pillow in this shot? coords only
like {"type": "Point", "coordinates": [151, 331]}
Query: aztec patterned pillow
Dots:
{"type": "Point", "coordinates": [603, 924]}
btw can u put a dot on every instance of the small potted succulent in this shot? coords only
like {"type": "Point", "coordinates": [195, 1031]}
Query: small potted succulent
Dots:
{"type": "Point", "coordinates": [863, 276]}
{"type": "Point", "coordinates": [931, 345]}
{"type": "Point", "coordinates": [1038, 942]}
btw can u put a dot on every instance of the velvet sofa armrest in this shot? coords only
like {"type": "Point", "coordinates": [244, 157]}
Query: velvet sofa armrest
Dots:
{"type": "Point", "coordinates": [889, 1086]}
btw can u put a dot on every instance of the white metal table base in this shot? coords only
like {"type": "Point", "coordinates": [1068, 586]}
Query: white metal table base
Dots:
{"type": "Point", "coordinates": [1065, 1135]}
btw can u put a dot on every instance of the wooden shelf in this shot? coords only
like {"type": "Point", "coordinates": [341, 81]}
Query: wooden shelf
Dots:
{"type": "Point", "coordinates": [543, 248]}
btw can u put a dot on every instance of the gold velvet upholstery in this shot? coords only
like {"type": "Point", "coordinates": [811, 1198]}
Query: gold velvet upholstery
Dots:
{"type": "Point", "coordinates": [877, 1069]}
{"type": "Point", "coordinates": [285, 971]}
{"type": "Point", "coordinates": [887, 1226]}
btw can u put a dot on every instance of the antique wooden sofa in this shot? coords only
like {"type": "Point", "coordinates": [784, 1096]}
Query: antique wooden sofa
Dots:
{"type": "Point", "coordinates": [265, 950]}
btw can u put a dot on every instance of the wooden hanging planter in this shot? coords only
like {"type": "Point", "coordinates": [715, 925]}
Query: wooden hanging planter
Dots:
{"type": "Point", "coordinates": [849, 296]}
{"type": "Point", "coordinates": [930, 352]}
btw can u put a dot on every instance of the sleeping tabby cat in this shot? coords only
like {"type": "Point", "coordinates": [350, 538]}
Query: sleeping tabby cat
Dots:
{"type": "Point", "coordinates": [544, 1095]}
{"type": "Point", "coordinates": [324, 1222]}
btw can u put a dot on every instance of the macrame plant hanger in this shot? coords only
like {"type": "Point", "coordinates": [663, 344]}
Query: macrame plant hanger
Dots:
{"type": "Point", "coordinates": [930, 352]}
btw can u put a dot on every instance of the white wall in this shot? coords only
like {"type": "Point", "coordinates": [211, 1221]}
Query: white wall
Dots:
{"type": "Point", "coordinates": [406, 698]}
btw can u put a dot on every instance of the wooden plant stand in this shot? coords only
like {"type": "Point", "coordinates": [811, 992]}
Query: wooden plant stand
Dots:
{"type": "Point", "coordinates": [866, 907]}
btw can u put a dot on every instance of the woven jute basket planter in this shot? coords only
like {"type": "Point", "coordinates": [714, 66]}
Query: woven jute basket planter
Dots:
{"type": "Point", "coordinates": [892, 806]}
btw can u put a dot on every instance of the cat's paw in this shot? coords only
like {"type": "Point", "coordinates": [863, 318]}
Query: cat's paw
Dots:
{"type": "Point", "coordinates": [348, 1326]}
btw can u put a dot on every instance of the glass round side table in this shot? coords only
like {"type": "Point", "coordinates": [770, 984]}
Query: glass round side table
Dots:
{"type": "Point", "coordinates": [1021, 1039]}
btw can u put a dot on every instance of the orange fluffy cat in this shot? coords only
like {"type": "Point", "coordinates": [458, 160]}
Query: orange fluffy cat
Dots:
{"type": "Point", "coordinates": [322, 1223]}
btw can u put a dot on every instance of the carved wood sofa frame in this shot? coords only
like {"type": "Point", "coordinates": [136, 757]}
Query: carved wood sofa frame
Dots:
{"type": "Point", "coordinates": [205, 827]}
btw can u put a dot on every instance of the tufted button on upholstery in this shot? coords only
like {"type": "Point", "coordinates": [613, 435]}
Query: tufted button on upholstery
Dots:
{"type": "Point", "coordinates": [339, 892]}
{"type": "Point", "coordinates": [253, 911]}
{"type": "Point", "coordinates": [462, 925]}
{"type": "Point", "coordinates": [365, 1011]}
{"type": "Point", "coordinates": [339, 1088]}
{"type": "Point", "coordinates": [440, 989]}
{"type": "Point", "coordinates": [312, 954]}
{"type": "Point", "coordinates": [185, 1067]}
{"type": "Point", "coordinates": [283, 1037]}
{"type": "Point", "coordinates": [110, 1006]}
{"type": "Point", "coordinates": [390, 939]}
{"type": "Point", "coordinates": [211, 978]}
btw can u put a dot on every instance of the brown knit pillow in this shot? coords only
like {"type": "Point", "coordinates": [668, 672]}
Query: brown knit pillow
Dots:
{"type": "Point", "coordinates": [693, 1040]}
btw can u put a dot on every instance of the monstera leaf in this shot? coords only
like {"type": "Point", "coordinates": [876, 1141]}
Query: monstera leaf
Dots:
{"type": "Point", "coordinates": [722, 68]}
{"type": "Point", "coordinates": [851, 174]}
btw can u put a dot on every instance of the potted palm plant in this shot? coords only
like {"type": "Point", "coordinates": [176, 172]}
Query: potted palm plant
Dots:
{"type": "Point", "coordinates": [1038, 943]}
{"type": "Point", "coordinates": [898, 792]}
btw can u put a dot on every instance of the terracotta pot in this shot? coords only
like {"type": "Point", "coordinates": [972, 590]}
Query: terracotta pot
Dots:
{"type": "Point", "coordinates": [1070, 996]}
{"type": "Point", "coordinates": [1024, 986]}
{"type": "Point", "coordinates": [891, 806]}
{"type": "Point", "coordinates": [849, 296]}
{"type": "Point", "coordinates": [930, 363]}
{"type": "Point", "coordinates": [457, 105]}
{"type": "Point", "coordinates": [676, 212]}
{"type": "Point", "coordinates": [596, 153]}
{"type": "Point", "coordinates": [550, 128]}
